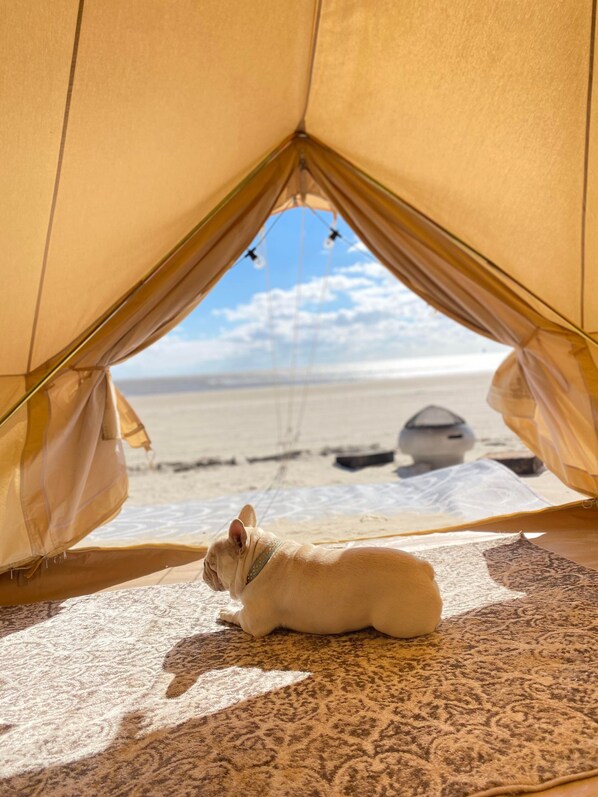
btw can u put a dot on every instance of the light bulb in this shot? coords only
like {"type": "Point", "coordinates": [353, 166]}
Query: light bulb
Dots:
{"type": "Point", "coordinates": [329, 242]}
{"type": "Point", "coordinates": [259, 263]}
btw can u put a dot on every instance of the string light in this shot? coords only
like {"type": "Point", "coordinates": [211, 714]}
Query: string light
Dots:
{"type": "Point", "coordinates": [257, 260]}
{"type": "Point", "coordinates": [329, 242]}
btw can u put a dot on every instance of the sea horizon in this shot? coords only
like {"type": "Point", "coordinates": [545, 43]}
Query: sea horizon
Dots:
{"type": "Point", "coordinates": [398, 368]}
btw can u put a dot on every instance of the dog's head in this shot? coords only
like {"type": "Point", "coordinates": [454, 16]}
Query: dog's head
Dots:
{"type": "Point", "coordinates": [224, 554]}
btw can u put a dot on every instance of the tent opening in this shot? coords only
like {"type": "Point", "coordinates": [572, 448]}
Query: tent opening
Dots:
{"type": "Point", "coordinates": [306, 349]}
{"type": "Point", "coordinates": [72, 413]}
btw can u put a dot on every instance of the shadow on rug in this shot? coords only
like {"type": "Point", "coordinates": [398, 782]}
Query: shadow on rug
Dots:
{"type": "Point", "coordinates": [142, 692]}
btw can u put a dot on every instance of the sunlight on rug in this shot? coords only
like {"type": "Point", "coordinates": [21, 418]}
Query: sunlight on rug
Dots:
{"type": "Point", "coordinates": [143, 690]}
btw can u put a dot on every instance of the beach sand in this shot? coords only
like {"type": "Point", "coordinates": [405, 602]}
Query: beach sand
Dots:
{"type": "Point", "coordinates": [236, 426]}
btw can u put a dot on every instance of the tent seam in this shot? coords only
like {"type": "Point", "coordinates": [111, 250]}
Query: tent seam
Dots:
{"type": "Point", "coordinates": [571, 325]}
{"type": "Point", "coordinates": [312, 59]}
{"type": "Point", "coordinates": [91, 331]}
{"type": "Point", "coordinates": [586, 163]}
{"type": "Point", "coordinates": [65, 122]}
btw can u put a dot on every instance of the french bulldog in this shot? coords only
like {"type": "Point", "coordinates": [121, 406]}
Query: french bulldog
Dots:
{"type": "Point", "coordinates": [317, 590]}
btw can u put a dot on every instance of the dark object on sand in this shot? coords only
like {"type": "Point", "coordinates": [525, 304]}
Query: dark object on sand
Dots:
{"type": "Point", "coordinates": [363, 458]}
{"type": "Point", "coordinates": [523, 463]}
{"type": "Point", "coordinates": [436, 437]}
{"type": "Point", "coordinates": [204, 462]}
{"type": "Point", "coordinates": [286, 455]}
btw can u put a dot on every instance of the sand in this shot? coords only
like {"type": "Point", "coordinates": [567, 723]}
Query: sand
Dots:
{"type": "Point", "coordinates": [236, 426]}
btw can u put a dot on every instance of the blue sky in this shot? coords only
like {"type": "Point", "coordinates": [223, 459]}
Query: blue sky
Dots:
{"type": "Point", "coordinates": [335, 306]}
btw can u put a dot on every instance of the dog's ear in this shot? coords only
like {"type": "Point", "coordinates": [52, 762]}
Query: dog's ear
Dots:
{"type": "Point", "coordinates": [247, 516]}
{"type": "Point", "coordinates": [237, 535]}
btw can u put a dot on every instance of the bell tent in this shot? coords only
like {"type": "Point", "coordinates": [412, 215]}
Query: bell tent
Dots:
{"type": "Point", "coordinates": [145, 143]}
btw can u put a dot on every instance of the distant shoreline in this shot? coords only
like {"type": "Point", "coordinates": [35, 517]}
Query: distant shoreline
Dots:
{"type": "Point", "coordinates": [407, 368]}
{"type": "Point", "coordinates": [212, 443]}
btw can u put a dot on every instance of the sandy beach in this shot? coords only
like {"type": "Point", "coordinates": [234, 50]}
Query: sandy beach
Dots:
{"type": "Point", "coordinates": [242, 430]}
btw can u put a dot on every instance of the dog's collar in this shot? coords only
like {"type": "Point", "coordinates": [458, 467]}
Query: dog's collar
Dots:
{"type": "Point", "coordinates": [263, 559]}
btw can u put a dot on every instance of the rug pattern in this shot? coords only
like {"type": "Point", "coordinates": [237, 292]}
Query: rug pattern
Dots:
{"type": "Point", "coordinates": [142, 692]}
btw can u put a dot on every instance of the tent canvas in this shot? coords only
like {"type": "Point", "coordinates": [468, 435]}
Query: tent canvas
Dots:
{"type": "Point", "coordinates": [146, 143]}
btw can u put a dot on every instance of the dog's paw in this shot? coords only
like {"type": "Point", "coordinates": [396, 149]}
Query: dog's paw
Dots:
{"type": "Point", "coordinates": [228, 616]}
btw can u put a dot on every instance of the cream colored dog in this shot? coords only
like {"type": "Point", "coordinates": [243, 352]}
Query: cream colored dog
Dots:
{"type": "Point", "coordinates": [319, 590]}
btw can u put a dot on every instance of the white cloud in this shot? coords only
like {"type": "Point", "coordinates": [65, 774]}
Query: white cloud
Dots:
{"type": "Point", "coordinates": [368, 269]}
{"type": "Point", "coordinates": [176, 354]}
{"type": "Point", "coordinates": [360, 311]}
{"type": "Point", "coordinates": [284, 302]}
{"type": "Point", "coordinates": [359, 246]}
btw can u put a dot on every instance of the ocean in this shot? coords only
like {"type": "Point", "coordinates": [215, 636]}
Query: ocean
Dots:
{"type": "Point", "coordinates": [406, 368]}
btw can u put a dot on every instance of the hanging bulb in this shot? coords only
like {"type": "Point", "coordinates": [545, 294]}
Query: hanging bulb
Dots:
{"type": "Point", "coordinates": [329, 242]}
{"type": "Point", "coordinates": [258, 261]}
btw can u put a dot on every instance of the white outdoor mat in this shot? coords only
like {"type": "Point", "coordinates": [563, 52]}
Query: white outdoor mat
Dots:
{"type": "Point", "coordinates": [461, 494]}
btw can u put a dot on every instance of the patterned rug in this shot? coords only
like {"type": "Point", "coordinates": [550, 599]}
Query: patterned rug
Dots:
{"type": "Point", "coordinates": [142, 692]}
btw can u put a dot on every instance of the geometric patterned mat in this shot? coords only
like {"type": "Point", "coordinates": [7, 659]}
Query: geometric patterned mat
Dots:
{"type": "Point", "coordinates": [463, 493]}
{"type": "Point", "coordinates": [142, 692]}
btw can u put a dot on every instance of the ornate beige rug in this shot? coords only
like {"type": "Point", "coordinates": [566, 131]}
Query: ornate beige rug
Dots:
{"type": "Point", "coordinates": [142, 692]}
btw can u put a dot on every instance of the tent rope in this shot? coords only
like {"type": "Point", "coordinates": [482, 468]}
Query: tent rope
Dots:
{"type": "Point", "coordinates": [286, 441]}
{"type": "Point", "coordinates": [296, 325]}
{"type": "Point", "coordinates": [256, 253]}
{"type": "Point", "coordinates": [290, 436]}
{"type": "Point", "coordinates": [293, 435]}
{"type": "Point", "coordinates": [334, 234]}
{"type": "Point", "coordinates": [273, 353]}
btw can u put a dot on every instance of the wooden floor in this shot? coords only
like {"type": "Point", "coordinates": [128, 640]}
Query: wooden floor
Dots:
{"type": "Point", "coordinates": [580, 547]}
{"type": "Point", "coordinates": [172, 575]}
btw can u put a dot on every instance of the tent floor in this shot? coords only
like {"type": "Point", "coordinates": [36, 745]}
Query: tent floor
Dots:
{"type": "Point", "coordinates": [580, 547]}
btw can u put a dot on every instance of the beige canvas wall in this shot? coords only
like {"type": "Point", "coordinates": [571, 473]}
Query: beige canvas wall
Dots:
{"type": "Point", "coordinates": [146, 142]}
